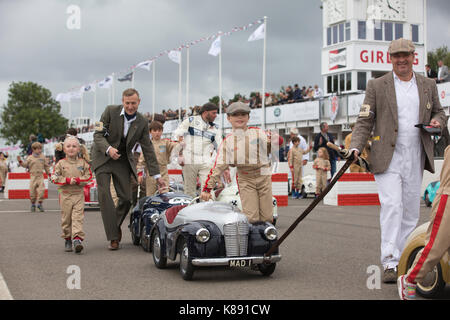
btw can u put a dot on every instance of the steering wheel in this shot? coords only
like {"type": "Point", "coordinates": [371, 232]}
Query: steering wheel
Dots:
{"type": "Point", "coordinates": [168, 187]}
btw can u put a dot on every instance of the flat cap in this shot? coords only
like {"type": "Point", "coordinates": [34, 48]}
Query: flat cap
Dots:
{"type": "Point", "coordinates": [293, 131]}
{"type": "Point", "coordinates": [238, 107]}
{"type": "Point", "coordinates": [401, 45]}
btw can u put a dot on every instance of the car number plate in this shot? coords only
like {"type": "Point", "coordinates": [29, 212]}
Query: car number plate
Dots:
{"type": "Point", "coordinates": [240, 263]}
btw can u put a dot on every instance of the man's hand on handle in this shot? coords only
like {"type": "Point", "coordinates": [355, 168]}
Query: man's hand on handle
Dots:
{"type": "Point", "coordinates": [205, 196]}
{"type": "Point", "coordinates": [434, 123]}
{"type": "Point", "coordinates": [161, 185]}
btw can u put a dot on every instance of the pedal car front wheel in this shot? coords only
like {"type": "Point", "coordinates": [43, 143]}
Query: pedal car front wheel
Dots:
{"type": "Point", "coordinates": [186, 267]}
{"type": "Point", "coordinates": [157, 252]}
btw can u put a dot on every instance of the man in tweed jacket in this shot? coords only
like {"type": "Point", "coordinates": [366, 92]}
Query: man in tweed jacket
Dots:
{"type": "Point", "coordinates": [393, 105]}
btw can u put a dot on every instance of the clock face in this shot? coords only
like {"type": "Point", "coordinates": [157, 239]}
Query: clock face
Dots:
{"type": "Point", "coordinates": [335, 11]}
{"type": "Point", "coordinates": [390, 10]}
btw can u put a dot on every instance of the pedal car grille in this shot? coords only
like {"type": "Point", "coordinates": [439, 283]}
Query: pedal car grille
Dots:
{"type": "Point", "coordinates": [236, 239]}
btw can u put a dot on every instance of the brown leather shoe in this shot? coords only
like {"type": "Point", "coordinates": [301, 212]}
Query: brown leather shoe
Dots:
{"type": "Point", "coordinates": [114, 245]}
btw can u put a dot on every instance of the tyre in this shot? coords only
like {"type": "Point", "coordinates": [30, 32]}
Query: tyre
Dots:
{"type": "Point", "coordinates": [186, 267]}
{"type": "Point", "coordinates": [433, 284]}
{"type": "Point", "coordinates": [145, 240]}
{"type": "Point", "coordinates": [428, 203]}
{"type": "Point", "coordinates": [158, 256]}
{"type": "Point", "coordinates": [266, 269]}
{"type": "Point", "coordinates": [134, 237]}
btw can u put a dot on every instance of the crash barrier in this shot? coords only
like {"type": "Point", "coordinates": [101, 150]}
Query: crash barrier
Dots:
{"type": "Point", "coordinates": [354, 189]}
{"type": "Point", "coordinates": [18, 185]}
{"type": "Point", "coordinates": [280, 188]}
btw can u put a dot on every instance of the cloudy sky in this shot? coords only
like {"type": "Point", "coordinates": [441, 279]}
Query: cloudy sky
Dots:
{"type": "Point", "coordinates": [36, 45]}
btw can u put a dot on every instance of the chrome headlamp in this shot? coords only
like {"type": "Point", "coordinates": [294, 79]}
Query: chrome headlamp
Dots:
{"type": "Point", "coordinates": [154, 217]}
{"type": "Point", "coordinates": [271, 233]}
{"type": "Point", "coordinates": [202, 235]}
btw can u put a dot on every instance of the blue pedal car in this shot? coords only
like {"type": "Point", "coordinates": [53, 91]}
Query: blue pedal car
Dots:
{"type": "Point", "coordinates": [430, 193]}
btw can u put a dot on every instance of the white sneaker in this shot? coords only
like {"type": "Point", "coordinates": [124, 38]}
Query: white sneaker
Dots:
{"type": "Point", "coordinates": [406, 290]}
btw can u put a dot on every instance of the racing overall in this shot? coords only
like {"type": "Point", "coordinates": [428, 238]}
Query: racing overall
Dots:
{"type": "Point", "coordinates": [321, 174]}
{"type": "Point", "coordinates": [36, 165]}
{"type": "Point", "coordinates": [296, 161]}
{"type": "Point", "coordinates": [438, 233]}
{"type": "Point", "coordinates": [163, 150]}
{"type": "Point", "coordinates": [200, 144]}
{"type": "Point", "coordinates": [71, 196]}
{"type": "Point", "coordinates": [248, 151]}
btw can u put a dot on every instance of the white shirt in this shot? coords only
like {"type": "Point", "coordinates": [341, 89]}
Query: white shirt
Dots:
{"type": "Point", "coordinates": [126, 122]}
{"type": "Point", "coordinates": [407, 95]}
{"type": "Point", "coordinates": [439, 72]}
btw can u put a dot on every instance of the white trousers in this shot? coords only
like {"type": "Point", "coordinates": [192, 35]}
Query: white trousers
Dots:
{"type": "Point", "coordinates": [399, 193]}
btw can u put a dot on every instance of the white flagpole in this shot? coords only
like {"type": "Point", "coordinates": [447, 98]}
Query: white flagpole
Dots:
{"type": "Point", "coordinates": [179, 88]}
{"type": "Point", "coordinates": [95, 104]}
{"type": "Point", "coordinates": [220, 86]}
{"type": "Point", "coordinates": [264, 77]}
{"type": "Point", "coordinates": [153, 89]}
{"type": "Point", "coordinates": [187, 81]}
{"type": "Point", "coordinates": [70, 112]}
{"type": "Point", "coordinates": [425, 33]}
{"type": "Point", "coordinates": [112, 90]}
{"type": "Point", "coordinates": [81, 109]}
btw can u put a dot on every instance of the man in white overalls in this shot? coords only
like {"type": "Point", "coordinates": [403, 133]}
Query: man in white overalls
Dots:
{"type": "Point", "coordinates": [393, 105]}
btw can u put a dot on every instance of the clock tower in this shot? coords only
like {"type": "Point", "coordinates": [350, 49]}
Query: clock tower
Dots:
{"type": "Point", "coordinates": [356, 37]}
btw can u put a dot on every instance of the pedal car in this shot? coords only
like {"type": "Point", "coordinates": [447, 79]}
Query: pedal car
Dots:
{"type": "Point", "coordinates": [212, 233]}
{"type": "Point", "coordinates": [146, 212]}
{"type": "Point", "coordinates": [91, 194]}
{"type": "Point", "coordinates": [430, 193]}
{"type": "Point", "coordinates": [231, 195]}
{"type": "Point", "coordinates": [309, 185]}
{"type": "Point", "coordinates": [434, 283]}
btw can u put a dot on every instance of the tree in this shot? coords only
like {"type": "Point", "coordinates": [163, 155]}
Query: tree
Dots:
{"type": "Point", "coordinates": [30, 110]}
{"type": "Point", "coordinates": [441, 53]}
{"type": "Point", "coordinates": [215, 100]}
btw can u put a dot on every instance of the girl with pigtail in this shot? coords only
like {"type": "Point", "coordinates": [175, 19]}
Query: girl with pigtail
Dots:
{"type": "Point", "coordinates": [71, 174]}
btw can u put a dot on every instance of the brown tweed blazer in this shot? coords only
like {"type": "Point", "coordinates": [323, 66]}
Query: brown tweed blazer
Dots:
{"type": "Point", "coordinates": [380, 114]}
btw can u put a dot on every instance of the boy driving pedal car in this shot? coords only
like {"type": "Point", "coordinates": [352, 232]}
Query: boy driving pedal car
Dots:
{"type": "Point", "coordinates": [248, 149]}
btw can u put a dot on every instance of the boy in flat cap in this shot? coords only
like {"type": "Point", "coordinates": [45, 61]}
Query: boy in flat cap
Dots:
{"type": "Point", "coordinates": [199, 137]}
{"type": "Point", "coordinates": [393, 105]}
{"type": "Point", "coordinates": [246, 148]}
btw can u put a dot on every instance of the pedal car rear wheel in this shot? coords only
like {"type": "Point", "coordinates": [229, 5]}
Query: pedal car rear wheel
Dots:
{"type": "Point", "coordinates": [427, 199]}
{"type": "Point", "coordinates": [135, 238]}
{"type": "Point", "coordinates": [433, 284]}
{"type": "Point", "coordinates": [158, 258]}
{"type": "Point", "coordinates": [145, 240]}
{"type": "Point", "coordinates": [186, 267]}
{"type": "Point", "coordinates": [266, 269]}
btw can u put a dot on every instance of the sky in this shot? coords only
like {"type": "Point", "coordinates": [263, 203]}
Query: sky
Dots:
{"type": "Point", "coordinates": [36, 45]}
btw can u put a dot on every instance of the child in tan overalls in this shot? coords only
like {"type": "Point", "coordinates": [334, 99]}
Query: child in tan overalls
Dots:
{"type": "Point", "coordinates": [36, 164]}
{"type": "Point", "coordinates": [71, 174]}
{"type": "Point", "coordinates": [247, 149]}
{"type": "Point", "coordinates": [437, 239]}
{"type": "Point", "coordinates": [163, 149]}
{"type": "Point", "coordinates": [3, 171]}
{"type": "Point", "coordinates": [322, 166]}
{"type": "Point", "coordinates": [295, 161]}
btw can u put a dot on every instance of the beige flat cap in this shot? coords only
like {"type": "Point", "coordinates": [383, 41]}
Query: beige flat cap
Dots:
{"type": "Point", "coordinates": [401, 45]}
{"type": "Point", "coordinates": [238, 107]}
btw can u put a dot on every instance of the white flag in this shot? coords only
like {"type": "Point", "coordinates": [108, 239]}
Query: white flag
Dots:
{"type": "Point", "coordinates": [175, 56]}
{"type": "Point", "coordinates": [88, 87]}
{"type": "Point", "coordinates": [258, 34]}
{"type": "Point", "coordinates": [63, 97]}
{"type": "Point", "coordinates": [215, 47]}
{"type": "Point", "coordinates": [144, 65]}
{"type": "Point", "coordinates": [75, 94]}
{"type": "Point", "coordinates": [105, 83]}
